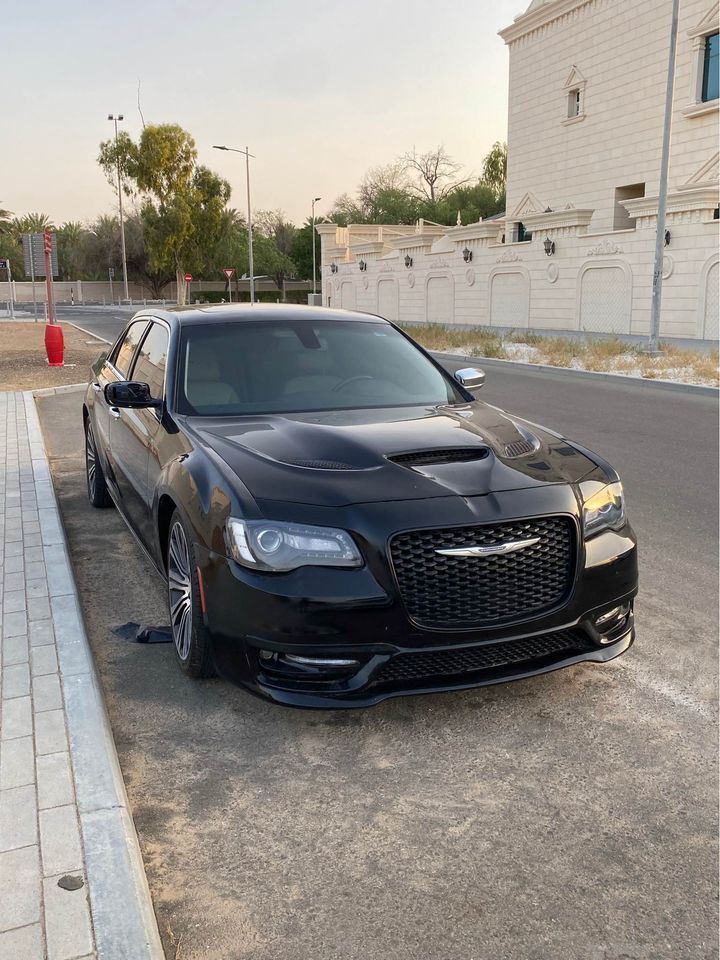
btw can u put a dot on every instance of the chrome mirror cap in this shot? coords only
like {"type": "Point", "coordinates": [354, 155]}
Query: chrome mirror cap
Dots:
{"type": "Point", "coordinates": [470, 377]}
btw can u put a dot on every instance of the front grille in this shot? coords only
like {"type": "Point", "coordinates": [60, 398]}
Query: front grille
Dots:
{"type": "Point", "coordinates": [454, 455]}
{"type": "Point", "coordinates": [457, 592]}
{"type": "Point", "coordinates": [492, 657]}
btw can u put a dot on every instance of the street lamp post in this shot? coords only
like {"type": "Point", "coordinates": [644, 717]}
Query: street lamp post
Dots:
{"type": "Point", "coordinates": [315, 200]}
{"type": "Point", "coordinates": [247, 155]}
{"type": "Point", "coordinates": [115, 118]}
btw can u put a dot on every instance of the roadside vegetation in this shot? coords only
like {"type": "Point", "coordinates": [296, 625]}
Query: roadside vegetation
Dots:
{"type": "Point", "coordinates": [602, 356]}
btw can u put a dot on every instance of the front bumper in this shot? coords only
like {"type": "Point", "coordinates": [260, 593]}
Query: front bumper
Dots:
{"type": "Point", "coordinates": [357, 615]}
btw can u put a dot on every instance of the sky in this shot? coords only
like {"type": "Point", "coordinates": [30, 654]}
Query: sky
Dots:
{"type": "Point", "coordinates": [320, 91]}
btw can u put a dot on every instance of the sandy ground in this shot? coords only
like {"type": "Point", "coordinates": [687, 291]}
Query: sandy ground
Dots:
{"type": "Point", "coordinates": [23, 361]}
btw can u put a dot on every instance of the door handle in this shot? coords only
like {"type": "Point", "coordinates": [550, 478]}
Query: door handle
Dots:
{"type": "Point", "coordinates": [97, 388]}
{"type": "Point", "coordinates": [114, 412]}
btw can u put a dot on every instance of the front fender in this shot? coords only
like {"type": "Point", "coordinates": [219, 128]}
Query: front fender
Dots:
{"type": "Point", "coordinates": [198, 485]}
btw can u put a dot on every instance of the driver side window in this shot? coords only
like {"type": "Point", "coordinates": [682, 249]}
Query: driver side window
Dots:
{"type": "Point", "coordinates": [152, 359]}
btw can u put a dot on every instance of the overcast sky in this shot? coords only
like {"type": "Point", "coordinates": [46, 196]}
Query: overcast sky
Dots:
{"type": "Point", "coordinates": [320, 91]}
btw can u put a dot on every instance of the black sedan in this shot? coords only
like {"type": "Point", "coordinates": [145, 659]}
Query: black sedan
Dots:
{"type": "Point", "coordinates": [339, 520]}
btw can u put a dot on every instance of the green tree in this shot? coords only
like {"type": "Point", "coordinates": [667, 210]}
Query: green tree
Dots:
{"type": "Point", "coordinates": [302, 249]}
{"type": "Point", "coordinates": [182, 203]}
{"type": "Point", "coordinates": [495, 168]}
{"type": "Point", "coordinates": [72, 250]}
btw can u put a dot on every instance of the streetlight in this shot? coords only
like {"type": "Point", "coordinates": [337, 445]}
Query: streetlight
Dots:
{"type": "Point", "coordinates": [316, 199]}
{"type": "Point", "coordinates": [247, 154]}
{"type": "Point", "coordinates": [115, 118]}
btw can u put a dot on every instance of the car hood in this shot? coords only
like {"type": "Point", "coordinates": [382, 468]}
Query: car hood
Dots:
{"type": "Point", "coordinates": [338, 458]}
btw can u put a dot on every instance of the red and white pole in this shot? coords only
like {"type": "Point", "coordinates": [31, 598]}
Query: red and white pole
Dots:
{"type": "Point", "coordinates": [54, 341]}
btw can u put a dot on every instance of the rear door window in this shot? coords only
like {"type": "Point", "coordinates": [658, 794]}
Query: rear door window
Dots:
{"type": "Point", "coordinates": [125, 350]}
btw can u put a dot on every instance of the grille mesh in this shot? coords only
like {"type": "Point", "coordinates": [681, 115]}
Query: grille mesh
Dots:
{"type": "Point", "coordinates": [450, 592]}
{"type": "Point", "coordinates": [518, 448]}
{"type": "Point", "coordinates": [492, 656]}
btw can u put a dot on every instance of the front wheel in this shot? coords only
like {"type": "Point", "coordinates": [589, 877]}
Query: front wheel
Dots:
{"type": "Point", "coordinates": [96, 484]}
{"type": "Point", "coordinates": [190, 635]}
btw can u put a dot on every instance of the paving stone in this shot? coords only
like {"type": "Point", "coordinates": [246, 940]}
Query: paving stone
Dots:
{"type": "Point", "coordinates": [46, 693]}
{"type": "Point", "coordinates": [43, 660]}
{"type": "Point", "coordinates": [60, 840]}
{"type": "Point", "coordinates": [14, 549]}
{"type": "Point", "coordinates": [15, 564]}
{"type": "Point", "coordinates": [17, 762]}
{"type": "Point", "coordinates": [13, 581]}
{"type": "Point", "coordinates": [58, 571]}
{"type": "Point", "coordinates": [67, 921]}
{"type": "Point", "coordinates": [16, 680]}
{"type": "Point", "coordinates": [33, 554]}
{"type": "Point", "coordinates": [19, 887]}
{"type": "Point", "coordinates": [14, 624]}
{"type": "Point", "coordinates": [35, 571]}
{"type": "Point", "coordinates": [49, 731]}
{"type": "Point", "coordinates": [54, 780]}
{"type": "Point", "coordinates": [41, 632]}
{"type": "Point", "coordinates": [36, 588]}
{"type": "Point", "coordinates": [15, 650]}
{"type": "Point", "coordinates": [16, 719]}
{"type": "Point", "coordinates": [18, 817]}
{"type": "Point", "coordinates": [23, 944]}
{"type": "Point", "coordinates": [38, 608]}
{"type": "Point", "coordinates": [14, 601]}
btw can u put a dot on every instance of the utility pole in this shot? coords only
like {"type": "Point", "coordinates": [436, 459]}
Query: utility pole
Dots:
{"type": "Point", "coordinates": [115, 118]}
{"type": "Point", "coordinates": [247, 154]}
{"type": "Point", "coordinates": [313, 245]}
{"type": "Point", "coordinates": [662, 195]}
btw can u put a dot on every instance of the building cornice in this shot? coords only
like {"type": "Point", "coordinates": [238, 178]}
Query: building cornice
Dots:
{"type": "Point", "coordinates": [482, 230]}
{"type": "Point", "coordinates": [368, 248]}
{"type": "Point", "coordinates": [541, 16]}
{"type": "Point", "coordinates": [560, 219]}
{"type": "Point", "coordinates": [704, 197]}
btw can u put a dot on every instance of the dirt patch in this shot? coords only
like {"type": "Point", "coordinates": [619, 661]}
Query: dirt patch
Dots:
{"type": "Point", "coordinates": [23, 361]}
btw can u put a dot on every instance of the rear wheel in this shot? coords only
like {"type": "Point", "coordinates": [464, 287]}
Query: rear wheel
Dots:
{"type": "Point", "coordinates": [96, 484]}
{"type": "Point", "coordinates": [190, 636]}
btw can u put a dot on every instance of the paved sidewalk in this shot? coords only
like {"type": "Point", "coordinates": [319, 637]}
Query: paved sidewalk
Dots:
{"type": "Point", "coordinates": [72, 883]}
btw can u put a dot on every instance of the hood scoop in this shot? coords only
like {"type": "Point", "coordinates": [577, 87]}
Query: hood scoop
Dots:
{"type": "Point", "coordinates": [321, 464]}
{"type": "Point", "coordinates": [425, 458]}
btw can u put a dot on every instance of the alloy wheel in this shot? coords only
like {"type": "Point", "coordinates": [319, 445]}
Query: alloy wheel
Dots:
{"type": "Point", "coordinates": [180, 588]}
{"type": "Point", "coordinates": [90, 461]}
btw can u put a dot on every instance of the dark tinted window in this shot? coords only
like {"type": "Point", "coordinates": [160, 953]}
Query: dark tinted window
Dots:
{"type": "Point", "coordinates": [151, 360]}
{"type": "Point", "coordinates": [711, 68]}
{"type": "Point", "coordinates": [288, 365]}
{"type": "Point", "coordinates": [123, 353]}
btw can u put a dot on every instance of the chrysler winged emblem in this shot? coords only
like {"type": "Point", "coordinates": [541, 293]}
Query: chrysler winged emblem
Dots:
{"type": "Point", "coordinates": [495, 549]}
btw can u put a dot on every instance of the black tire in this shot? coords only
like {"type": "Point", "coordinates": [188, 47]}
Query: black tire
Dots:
{"type": "Point", "coordinates": [98, 494]}
{"type": "Point", "coordinates": [191, 639]}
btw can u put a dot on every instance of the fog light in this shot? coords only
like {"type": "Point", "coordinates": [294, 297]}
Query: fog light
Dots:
{"type": "Point", "coordinates": [267, 655]}
{"type": "Point", "coordinates": [617, 613]}
{"type": "Point", "coordinates": [319, 661]}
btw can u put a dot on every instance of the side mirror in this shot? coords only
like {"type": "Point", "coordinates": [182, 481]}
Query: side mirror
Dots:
{"type": "Point", "coordinates": [130, 393]}
{"type": "Point", "coordinates": [470, 377]}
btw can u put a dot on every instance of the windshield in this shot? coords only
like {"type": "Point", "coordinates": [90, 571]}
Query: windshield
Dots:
{"type": "Point", "coordinates": [287, 366]}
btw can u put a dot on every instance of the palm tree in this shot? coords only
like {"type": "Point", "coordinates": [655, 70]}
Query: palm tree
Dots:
{"type": "Point", "coordinates": [4, 219]}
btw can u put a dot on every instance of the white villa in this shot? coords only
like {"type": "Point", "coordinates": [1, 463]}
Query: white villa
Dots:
{"type": "Point", "coordinates": [575, 249]}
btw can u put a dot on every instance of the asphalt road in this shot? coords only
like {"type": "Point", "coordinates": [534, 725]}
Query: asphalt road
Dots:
{"type": "Point", "coordinates": [572, 815]}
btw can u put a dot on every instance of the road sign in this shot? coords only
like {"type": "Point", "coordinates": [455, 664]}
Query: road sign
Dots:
{"type": "Point", "coordinates": [188, 278]}
{"type": "Point", "coordinates": [229, 271]}
{"type": "Point", "coordinates": [34, 254]}
{"type": "Point", "coordinates": [111, 272]}
{"type": "Point", "coordinates": [4, 264]}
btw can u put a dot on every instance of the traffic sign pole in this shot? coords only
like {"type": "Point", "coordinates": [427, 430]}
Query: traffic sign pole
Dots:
{"type": "Point", "coordinates": [5, 264]}
{"type": "Point", "coordinates": [229, 271]}
{"type": "Point", "coordinates": [54, 342]}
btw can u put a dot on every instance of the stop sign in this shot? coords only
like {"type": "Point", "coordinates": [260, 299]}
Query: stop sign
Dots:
{"type": "Point", "coordinates": [188, 277]}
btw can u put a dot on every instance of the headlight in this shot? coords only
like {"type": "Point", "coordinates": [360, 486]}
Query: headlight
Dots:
{"type": "Point", "coordinates": [604, 510]}
{"type": "Point", "coordinates": [272, 545]}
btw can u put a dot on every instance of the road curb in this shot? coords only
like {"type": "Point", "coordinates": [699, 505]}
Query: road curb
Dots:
{"type": "Point", "coordinates": [120, 903]}
{"type": "Point", "coordinates": [570, 373]}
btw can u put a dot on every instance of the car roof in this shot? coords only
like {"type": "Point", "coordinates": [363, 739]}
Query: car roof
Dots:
{"type": "Point", "coordinates": [239, 312]}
